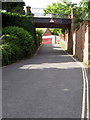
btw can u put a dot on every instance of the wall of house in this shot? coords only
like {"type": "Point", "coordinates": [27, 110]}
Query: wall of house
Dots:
{"type": "Point", "coordinates": [47, 32]}
{"type": "Point", "coordinates": [50, 39]}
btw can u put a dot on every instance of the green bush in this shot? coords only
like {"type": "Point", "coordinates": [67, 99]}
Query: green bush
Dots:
{"type": "Point", "coordinates": [17, 44]}
{"type": "Point", "coordinates": [14, 7]}
{"type": "Point", "coordinates": [23, 21]}
{"type": "Point", "coordinates": [39, 33]}
{"type": "Point", "coordinates": [7, 38]}
{"type": "Point", "coordinates": [10, 53]}
{"type": "Point", "coordinates": [19, 35]}
{"type": "Point", "coordinates": [23, 39]}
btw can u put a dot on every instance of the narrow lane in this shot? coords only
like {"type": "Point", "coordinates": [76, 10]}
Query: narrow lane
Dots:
{"type": "Point", "coordinates": [48, 85]}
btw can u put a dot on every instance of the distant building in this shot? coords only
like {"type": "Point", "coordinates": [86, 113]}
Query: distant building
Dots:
{"type": "Point", "coordinates": [46, 31]}
{"type": "Point", "coordinates": [39, 12]}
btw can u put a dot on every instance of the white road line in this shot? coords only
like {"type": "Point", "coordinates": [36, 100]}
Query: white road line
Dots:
{"type": "Point", "coordinates": [83, 99]}
{"type": "Point", "coordinates": [87, 116]}
{"type": "Point", "coordinates": [85, 90]}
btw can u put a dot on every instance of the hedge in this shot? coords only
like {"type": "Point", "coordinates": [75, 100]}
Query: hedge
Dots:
{"type": "Point", "coordinates": [14, 7]}
{"type": "Point", "coordinates": [39, 33]}
{"type": "Point", "coordinates": [19, 35]}
{"type": "Point", "coordinates": [17, 44]}
{"type": "Point", "coordinates": [10, 53]}
{"type": "Point", "coordinates": [23, 21]}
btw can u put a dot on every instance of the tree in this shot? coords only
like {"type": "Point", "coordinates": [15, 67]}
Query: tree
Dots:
{"type": "Point", "coordinates": [57, 31]}
{"type": "Point", "coordinates": [86, 9]}
{"type": "Point", "coordinates": [64, 9]}
{"type": "Point", "coordinates": [60, 9]}
{"type": "Point", "coordinates": [82, 12]}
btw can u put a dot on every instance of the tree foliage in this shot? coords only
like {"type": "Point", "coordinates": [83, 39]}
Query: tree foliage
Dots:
{"type": "Point", "coordinates": [60, 9]}
{"type": "Point", "coordinates": [82, 12]}
{"type": "Point", "coordinates": [85, 4]}
{"type": "Point", "coordinates": [64, 9]}
{"type": "Point", "coordinates": [57, 31]}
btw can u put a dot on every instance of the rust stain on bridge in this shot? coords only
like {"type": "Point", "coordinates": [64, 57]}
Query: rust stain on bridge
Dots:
{"type": "Point", "coordinates": [52, 23]}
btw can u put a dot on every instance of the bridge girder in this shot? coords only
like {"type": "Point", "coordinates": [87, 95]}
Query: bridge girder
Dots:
{"type": "Point", "coordinates": [46, 22]}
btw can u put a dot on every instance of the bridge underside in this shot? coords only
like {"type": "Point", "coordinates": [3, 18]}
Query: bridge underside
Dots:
{"type": "Point", "coordinates": [52, 23]}
{"type": "Point", "coordinates": [55, 23]}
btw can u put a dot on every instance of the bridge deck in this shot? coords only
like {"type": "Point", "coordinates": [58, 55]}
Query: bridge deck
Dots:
{"type": "Point", "coordinates": [57, 22]}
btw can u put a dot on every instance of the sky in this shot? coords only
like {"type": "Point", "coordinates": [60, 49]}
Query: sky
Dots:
{"type": "Point", "coordinates": [43, 3]}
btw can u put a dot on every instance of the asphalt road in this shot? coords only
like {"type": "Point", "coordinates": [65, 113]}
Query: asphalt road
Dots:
{"type": "Point", "coordinates": [48, 85]}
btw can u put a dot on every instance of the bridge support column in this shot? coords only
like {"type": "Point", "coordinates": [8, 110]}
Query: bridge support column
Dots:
{"type": "Point", "coordinates": [71, 29]}
{"type": "Point", "coordinates": [70, 41]}
{"type": "Point", "coordinates": [35, 39]}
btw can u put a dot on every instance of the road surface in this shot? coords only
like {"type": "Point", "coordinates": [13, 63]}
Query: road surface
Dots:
{"type": "Point", "coordinates": [48, 85]}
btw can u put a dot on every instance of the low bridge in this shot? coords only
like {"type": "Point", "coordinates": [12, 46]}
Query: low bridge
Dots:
{"type": "Point", "coordinates": [42, 22]}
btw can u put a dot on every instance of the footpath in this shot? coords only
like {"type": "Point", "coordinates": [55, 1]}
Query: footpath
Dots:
{"type": "Point", "coordinates": [48, 85]}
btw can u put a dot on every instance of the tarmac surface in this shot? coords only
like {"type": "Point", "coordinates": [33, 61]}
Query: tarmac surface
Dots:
{"type": "Point", "coordinates": [48, 85]}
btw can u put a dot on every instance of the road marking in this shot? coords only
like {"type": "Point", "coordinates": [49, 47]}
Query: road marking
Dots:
{"type": "Point", "coordinates": [85, 104]}
{"type": "Point", "coordinates": [87, 116]}
{"type": "Point", "coordinates": [85, 99]}
{"type": "Point", "coordinates": [84, 96]}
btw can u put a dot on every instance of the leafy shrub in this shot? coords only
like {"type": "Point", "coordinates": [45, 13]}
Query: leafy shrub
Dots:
{"type": "Point", "coordinates": [19, 37]}
{"type": "Point", "coordinates": [18, 41]}
{"type": "Point", "coordinates": [23, 21]}
{"type": "Point", "coordinates": [39, 33]}
{"type": "Point", "coordinates": [14, 7]}
{"type": "Point", "coordinates": [7, 38]}
{"type": "Point", "coordinates": [10, 54]}
{"type": "Point", "coordinates": [17, 44]}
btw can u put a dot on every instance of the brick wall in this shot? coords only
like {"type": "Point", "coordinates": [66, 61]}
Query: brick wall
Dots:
{"type": "Point", "coordinates": [89, 44]}
{"type": "Point", "coordinates": [74, 42]}
{"type": "Point", "coordinates": [64, 40]}
{"type": "Point", "coordinates": [80, 42]}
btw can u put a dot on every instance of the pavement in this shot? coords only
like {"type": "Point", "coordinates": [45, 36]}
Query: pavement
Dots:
{"type": "Point", "coordinates": [48, 85]}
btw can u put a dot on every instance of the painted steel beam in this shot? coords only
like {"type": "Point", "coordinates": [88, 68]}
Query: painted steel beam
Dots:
{"type": "Point", "coordinates": [49, 23]}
